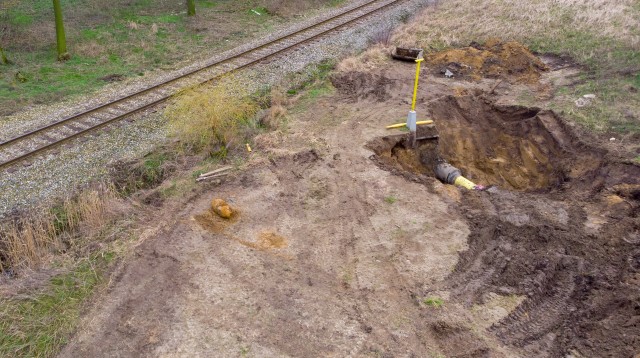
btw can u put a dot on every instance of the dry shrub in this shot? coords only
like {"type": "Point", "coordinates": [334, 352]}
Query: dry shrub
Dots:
{"type": "Point", "coordinates": [215, 117]}
{"type": "Point", "coordinates": [368, 60]}
{"type": "Point", "coordinates": [382, 36]}
{"type": "Point", "coordinates": [277, 111]}
{"type": "Point", "coordinates": [30, 239]}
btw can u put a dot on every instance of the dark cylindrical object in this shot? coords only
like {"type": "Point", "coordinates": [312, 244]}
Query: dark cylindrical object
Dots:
{"type": "Point", "coordinates": [447, 173]}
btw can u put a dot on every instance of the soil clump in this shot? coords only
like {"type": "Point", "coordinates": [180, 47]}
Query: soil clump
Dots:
{"type": "Point", "coordinates": [494, 59]}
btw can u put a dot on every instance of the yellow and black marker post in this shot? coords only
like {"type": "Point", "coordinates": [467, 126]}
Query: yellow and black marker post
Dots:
{"type": "Point", "coordinates": [411, 118]}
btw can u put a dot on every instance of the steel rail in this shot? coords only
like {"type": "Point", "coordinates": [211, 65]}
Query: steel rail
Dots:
{"type": "Point", "coordinates": [162, 84]}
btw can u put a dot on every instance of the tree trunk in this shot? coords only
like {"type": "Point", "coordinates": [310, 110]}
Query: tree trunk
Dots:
{"type": "Point", "coordinates": [191, 7]}
{"type": "Point", "coordinates": [3, 58]}
{"type": "Point", "coordinates": [63, 55]}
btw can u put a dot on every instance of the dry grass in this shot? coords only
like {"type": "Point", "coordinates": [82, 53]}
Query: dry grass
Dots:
{"type": "Point", "coordinates": [588, 30]}
{"type": "Point", "coordinates": [382, 36]}
{"type": "Point", "coordinates": [214, 118]}
{"type": "Point", "coordinates": [89, 49]}
{"type": "Point", "coordinates": [288, 8]}
{"type": "Point", "coordinates": [368, 60]}
{"type": "Point", "coordinates": [31, 239]}
{"type": "Point", "coordinates": [277, 111]}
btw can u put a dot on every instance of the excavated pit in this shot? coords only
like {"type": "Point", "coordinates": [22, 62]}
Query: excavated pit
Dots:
{"type": "Point", "coordinates": [512, 147]}
{"type": "Point", "coordinates": [562, 228]}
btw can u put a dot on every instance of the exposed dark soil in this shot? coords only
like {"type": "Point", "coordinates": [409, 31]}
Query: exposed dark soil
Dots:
{"type": "Point", "coordinates": [493, 59]}
{"type": "Point", "coordinates": [562, 227]}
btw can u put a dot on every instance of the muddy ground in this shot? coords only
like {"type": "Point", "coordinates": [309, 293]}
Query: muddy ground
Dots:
{"type": "Point", "coordinates": [344, 244]}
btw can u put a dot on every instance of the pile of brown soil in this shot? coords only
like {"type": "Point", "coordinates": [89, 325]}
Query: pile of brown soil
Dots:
{"type": "Point", "coordinates": [495, 59]}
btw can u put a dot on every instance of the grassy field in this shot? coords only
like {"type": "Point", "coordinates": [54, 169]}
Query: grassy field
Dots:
{"type": "Point", "coordinates": [38, 325]}
{"type": "Point", "coordinates": [601, 35]}
{"type": "Point", "coordinates": [115, 40]}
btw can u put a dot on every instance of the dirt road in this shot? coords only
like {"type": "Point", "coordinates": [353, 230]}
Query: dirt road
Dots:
{"type": "Point", "coordinates": [333, 254]}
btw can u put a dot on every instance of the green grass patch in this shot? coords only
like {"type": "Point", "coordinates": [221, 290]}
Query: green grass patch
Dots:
{"type": "Point", "coordinates": [259, 11]}
{"type": "Point", "coordinates": [39, 325]}
{"type": "Point", "coordinates": [335, 3]}
{"type": "Point", "coordinates": [390, 199]}
{"type": "Point", "coordinates": [152, 168]}
{"type": "Point", "coordinates": [207, 4]}
{"type": "Point", "coordinates": [435, 302]}
{"type": "Point", "coordinates": [614, 108]}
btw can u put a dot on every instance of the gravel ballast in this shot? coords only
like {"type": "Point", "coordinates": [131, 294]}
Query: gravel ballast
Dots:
{"type": "Point", "coordinates": [85, 160]}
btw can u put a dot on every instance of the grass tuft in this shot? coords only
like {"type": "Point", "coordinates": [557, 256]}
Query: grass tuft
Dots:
{"type": "Point", "coordinates": [435, 302]}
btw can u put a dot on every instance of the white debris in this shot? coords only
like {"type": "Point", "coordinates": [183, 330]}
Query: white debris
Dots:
{"type": "Point", "coordinates": [589, 96]}
{"type": "Point", "coordinates": [448, 74]}
{"type": "Point", "coordinates": [581, 102]}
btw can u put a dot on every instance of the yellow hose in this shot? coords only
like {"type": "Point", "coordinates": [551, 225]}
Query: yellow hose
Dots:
{"type": "Point", "coordinates": [464, 182]}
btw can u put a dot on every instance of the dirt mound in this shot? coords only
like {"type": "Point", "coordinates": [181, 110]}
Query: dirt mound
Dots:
{"type": "Point", "coordinates": [569, 244]}
{"type": "Point", "coordinates": [355, 86]}
{"type": "Point", "coordinates": [494, 59]}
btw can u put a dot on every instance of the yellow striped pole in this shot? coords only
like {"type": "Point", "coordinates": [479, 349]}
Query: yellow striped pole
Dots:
{"type": "Point", "coordinates": [415, 85]}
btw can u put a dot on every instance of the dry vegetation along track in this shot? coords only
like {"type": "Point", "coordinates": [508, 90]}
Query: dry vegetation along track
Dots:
{"type": "Point", "coordinates": [39, 140]}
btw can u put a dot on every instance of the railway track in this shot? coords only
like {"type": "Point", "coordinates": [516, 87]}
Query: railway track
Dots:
{"type": "Point", "coordinates": [37, 141]}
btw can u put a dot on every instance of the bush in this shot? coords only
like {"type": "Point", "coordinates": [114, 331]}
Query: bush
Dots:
{"type": "Point", "coordinates": [214, 118]}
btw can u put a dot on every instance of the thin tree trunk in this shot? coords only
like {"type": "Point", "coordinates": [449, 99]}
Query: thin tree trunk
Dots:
{"type": "Point", "coordinates": [63, 55]}
{"type": "Point", "coordinates": [3, 58]}
{"type": "Point", "coordinates": [191, 7]}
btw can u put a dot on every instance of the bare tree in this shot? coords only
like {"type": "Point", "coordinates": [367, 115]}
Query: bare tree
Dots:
{"type": "Point", "coordinates": [63, 55]}
{"type": "Point", "coordinates": [191, 7]}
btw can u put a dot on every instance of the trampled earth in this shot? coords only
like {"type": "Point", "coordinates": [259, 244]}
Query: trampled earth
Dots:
{"type": "Point", "coordinates": [344, 243]}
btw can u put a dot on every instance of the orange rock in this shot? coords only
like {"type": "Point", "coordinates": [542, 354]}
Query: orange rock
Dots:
{"type": "Point", "coordinates": [217, 202]}
{"type": "Point", "coordinates": [221, 208]}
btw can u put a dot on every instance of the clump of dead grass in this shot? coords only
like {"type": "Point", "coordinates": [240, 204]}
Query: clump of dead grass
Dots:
{"type": "Point", "coordinates": [32, 238]}
{"type": "Point", "coordinates": [370, 59]}
{"type": "Point", "coordinates": [277, 111]}
{"type": "Point", "coordinates": [215, 118]}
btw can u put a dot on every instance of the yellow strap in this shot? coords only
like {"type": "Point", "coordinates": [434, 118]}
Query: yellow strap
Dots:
{"type": "Point", "coordinates": [400, 125]}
